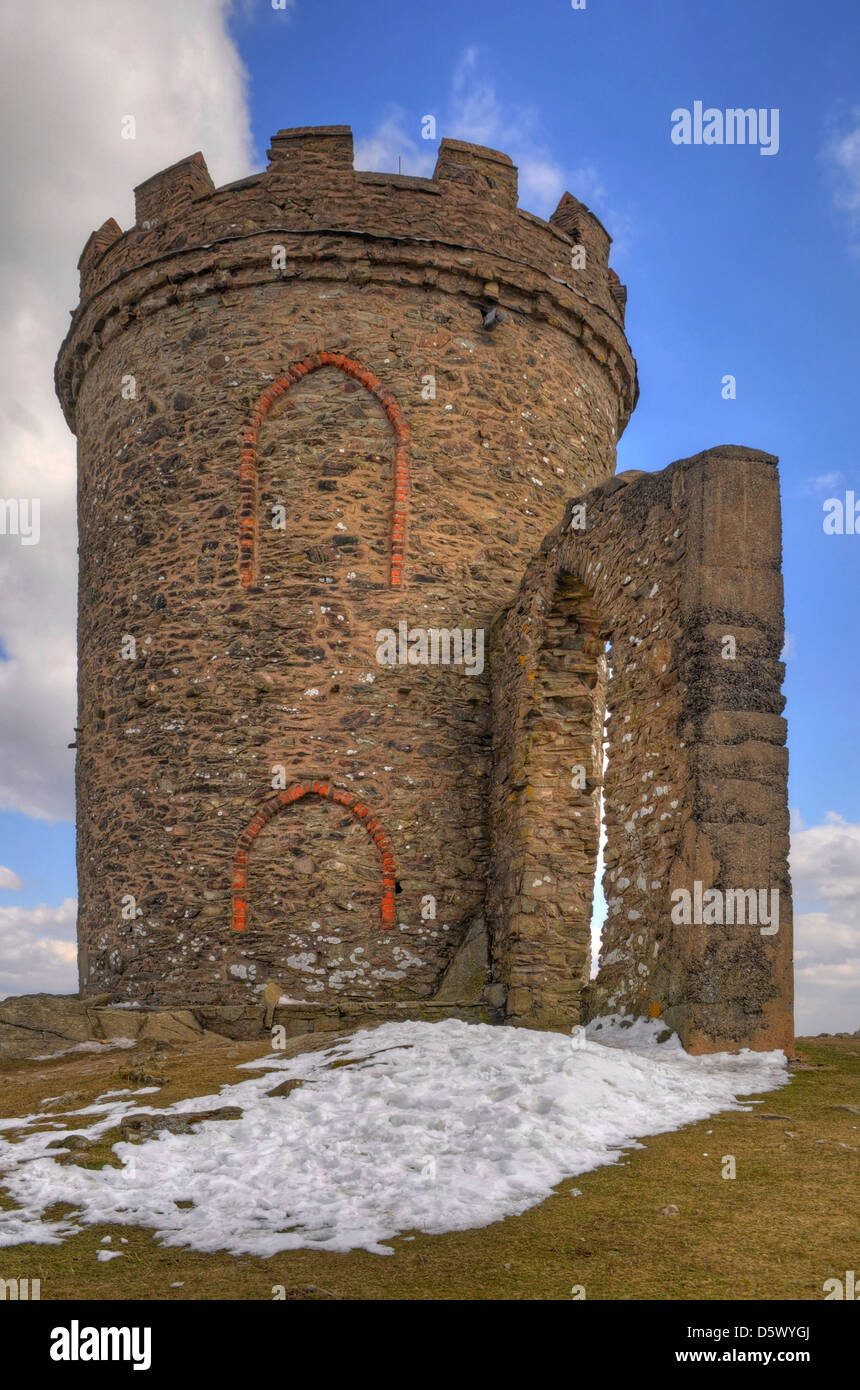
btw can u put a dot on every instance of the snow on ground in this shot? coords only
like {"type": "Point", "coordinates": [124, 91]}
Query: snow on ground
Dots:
{"type": "Point", "coordinates": [432, 1127]}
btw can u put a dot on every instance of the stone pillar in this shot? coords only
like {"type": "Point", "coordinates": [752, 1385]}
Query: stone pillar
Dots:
{"type": "Point", "coordinates": [679, 573]}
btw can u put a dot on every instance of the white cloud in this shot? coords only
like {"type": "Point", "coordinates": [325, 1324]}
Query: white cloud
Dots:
{"type": "Point", "coordinates": [71, 73]}
{"type": "Point", "coordinates": [842, 157]}
{"type": "Point", "coordinates": [825, 873]}
{"type": "Point", "coordinates": [825, 861]}
{"type": "Point", "coordinates": [9, 879]}
{"type": "Point", "coordinates": [475, 113]}
{"type": "Point", "coordinates": [391, 149]}
{"type": "Point", "coordinates": [37, 949]}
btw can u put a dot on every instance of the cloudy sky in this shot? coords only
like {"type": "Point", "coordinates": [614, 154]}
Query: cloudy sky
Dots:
{"type": "Point", "coordinates": [736, 263]}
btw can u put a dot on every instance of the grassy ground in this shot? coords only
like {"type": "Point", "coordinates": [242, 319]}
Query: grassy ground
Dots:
{"type": "Point", "coordinates": [785, 1224]}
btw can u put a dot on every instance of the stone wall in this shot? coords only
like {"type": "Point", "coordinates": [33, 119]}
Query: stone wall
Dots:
{"type": "Point", "coordinates": [311, 339]}
{"type": "Point", "coordinates": [677, 574]}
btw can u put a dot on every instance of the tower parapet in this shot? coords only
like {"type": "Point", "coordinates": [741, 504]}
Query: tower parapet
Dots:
{"type": "Point", "coordinates": [460, 231]}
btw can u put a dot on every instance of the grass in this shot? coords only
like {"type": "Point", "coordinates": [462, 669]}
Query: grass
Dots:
{"type": "Point", "coordinates": [780, 1228]}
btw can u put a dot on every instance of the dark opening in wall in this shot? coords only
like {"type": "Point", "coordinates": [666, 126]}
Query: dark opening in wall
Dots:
{"type": "Point", "coordinates": [561, 814]}
{"type": "Point", "coordinates": [599, 904]}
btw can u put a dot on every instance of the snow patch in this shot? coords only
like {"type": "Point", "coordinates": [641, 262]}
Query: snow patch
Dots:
{"type": "Point", "coordinates": [434, 1127]}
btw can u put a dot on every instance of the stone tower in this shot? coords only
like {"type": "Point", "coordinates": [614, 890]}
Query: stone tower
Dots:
{"type": "Point", "coordinates": [311, 339]}
{"type": "Point", "coordinates": [325, 419]}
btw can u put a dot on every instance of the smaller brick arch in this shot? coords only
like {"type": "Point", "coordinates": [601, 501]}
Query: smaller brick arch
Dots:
{"type": "Point", "coordinates": [280, 802]}
{"type": "Point", "coordinates": [248, 462]}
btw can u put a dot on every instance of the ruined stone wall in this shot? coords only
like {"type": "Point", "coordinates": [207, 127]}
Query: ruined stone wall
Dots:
{"type": "Point", "coordinates": [664, 568]}
{"type": "Point", "coordinates": [306, 339]}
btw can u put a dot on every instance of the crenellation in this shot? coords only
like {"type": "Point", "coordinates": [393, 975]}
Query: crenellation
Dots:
{"type": "Point", "coordinates": [168, 194]}
{"type": "Point", "coordinates": [97, 244]}
{"type": "Point", "coordinates": [311, 191]}
{"type": "Point", "coordinates": [309, 149]}
{"type": "Point", "coordinates": [409, 183]}
{"type": "Point", "coordinates": [583, 228]}
{"type": "Point", "coordinates": [483, 172]}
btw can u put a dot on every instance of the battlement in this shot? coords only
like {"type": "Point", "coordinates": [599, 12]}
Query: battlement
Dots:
{"type": "Point", "coordinates": [163, 196]}
{"type": "Point", "coordinates": [97, 243]}
{"type": "Point", "coordinates": [307, 153]}
{"type": "Point", "coordinates": [310, 161]}
{"type": "Point", "coordinates": [583, 228]}
{"type": "Point", "coordinates": [462, 225]}
{"type": "Point", "coordinates": [484, 172]}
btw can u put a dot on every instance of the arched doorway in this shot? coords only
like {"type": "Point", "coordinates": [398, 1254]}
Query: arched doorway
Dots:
{"type": "Point", "coordinates": [277, 804]}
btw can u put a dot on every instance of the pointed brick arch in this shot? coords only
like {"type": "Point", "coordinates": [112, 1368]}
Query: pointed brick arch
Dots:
{"type": "Point", "coordinates": [280, 802]}
{"type": "Point", "coordinates": [248, 464]}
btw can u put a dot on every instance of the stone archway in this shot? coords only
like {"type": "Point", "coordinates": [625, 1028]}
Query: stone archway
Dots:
{"type": "Point", "coordinates": [278, 803]}
{"type": "Point", "coordinates": [248, 468]}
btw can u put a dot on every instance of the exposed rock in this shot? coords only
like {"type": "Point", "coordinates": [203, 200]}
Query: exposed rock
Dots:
{"type": "Point", "coordinates": [465, 979]}
{"type": "Point", "coordinates": [140, 1127]}
{"type": "Point", "coordinates": [33, 1025]}
{"type": "Point", "coordinates": [138, 1077]}
{"type": "Point", "coordinates": [71, 1141]}
{"type": "Point", "coordinates": [286, 1088]}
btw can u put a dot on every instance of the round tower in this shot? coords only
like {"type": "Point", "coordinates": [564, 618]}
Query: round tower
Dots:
{"type": "Point", "coordinates": [324, 419]}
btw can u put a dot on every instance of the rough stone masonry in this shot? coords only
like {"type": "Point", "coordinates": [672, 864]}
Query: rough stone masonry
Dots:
{"type": "Point", "coordinates": [318, 405]}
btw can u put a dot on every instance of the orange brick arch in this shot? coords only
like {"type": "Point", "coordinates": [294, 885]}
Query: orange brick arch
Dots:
{"type": "Point", "coordinates": [248, 463]}
{"type": "Point", "coordinates": [280, 802]}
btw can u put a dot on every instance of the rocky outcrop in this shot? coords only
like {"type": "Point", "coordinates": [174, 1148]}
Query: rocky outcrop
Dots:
{"type": "Point", "coordinates": [46, 1025]}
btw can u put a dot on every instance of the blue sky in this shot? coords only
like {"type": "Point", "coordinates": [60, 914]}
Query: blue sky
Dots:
{"type": "Point", "coordinates": [736, 263]}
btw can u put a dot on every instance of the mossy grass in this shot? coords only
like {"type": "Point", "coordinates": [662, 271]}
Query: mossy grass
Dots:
{"type": "Point", "coordinates": [777, 1230]}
